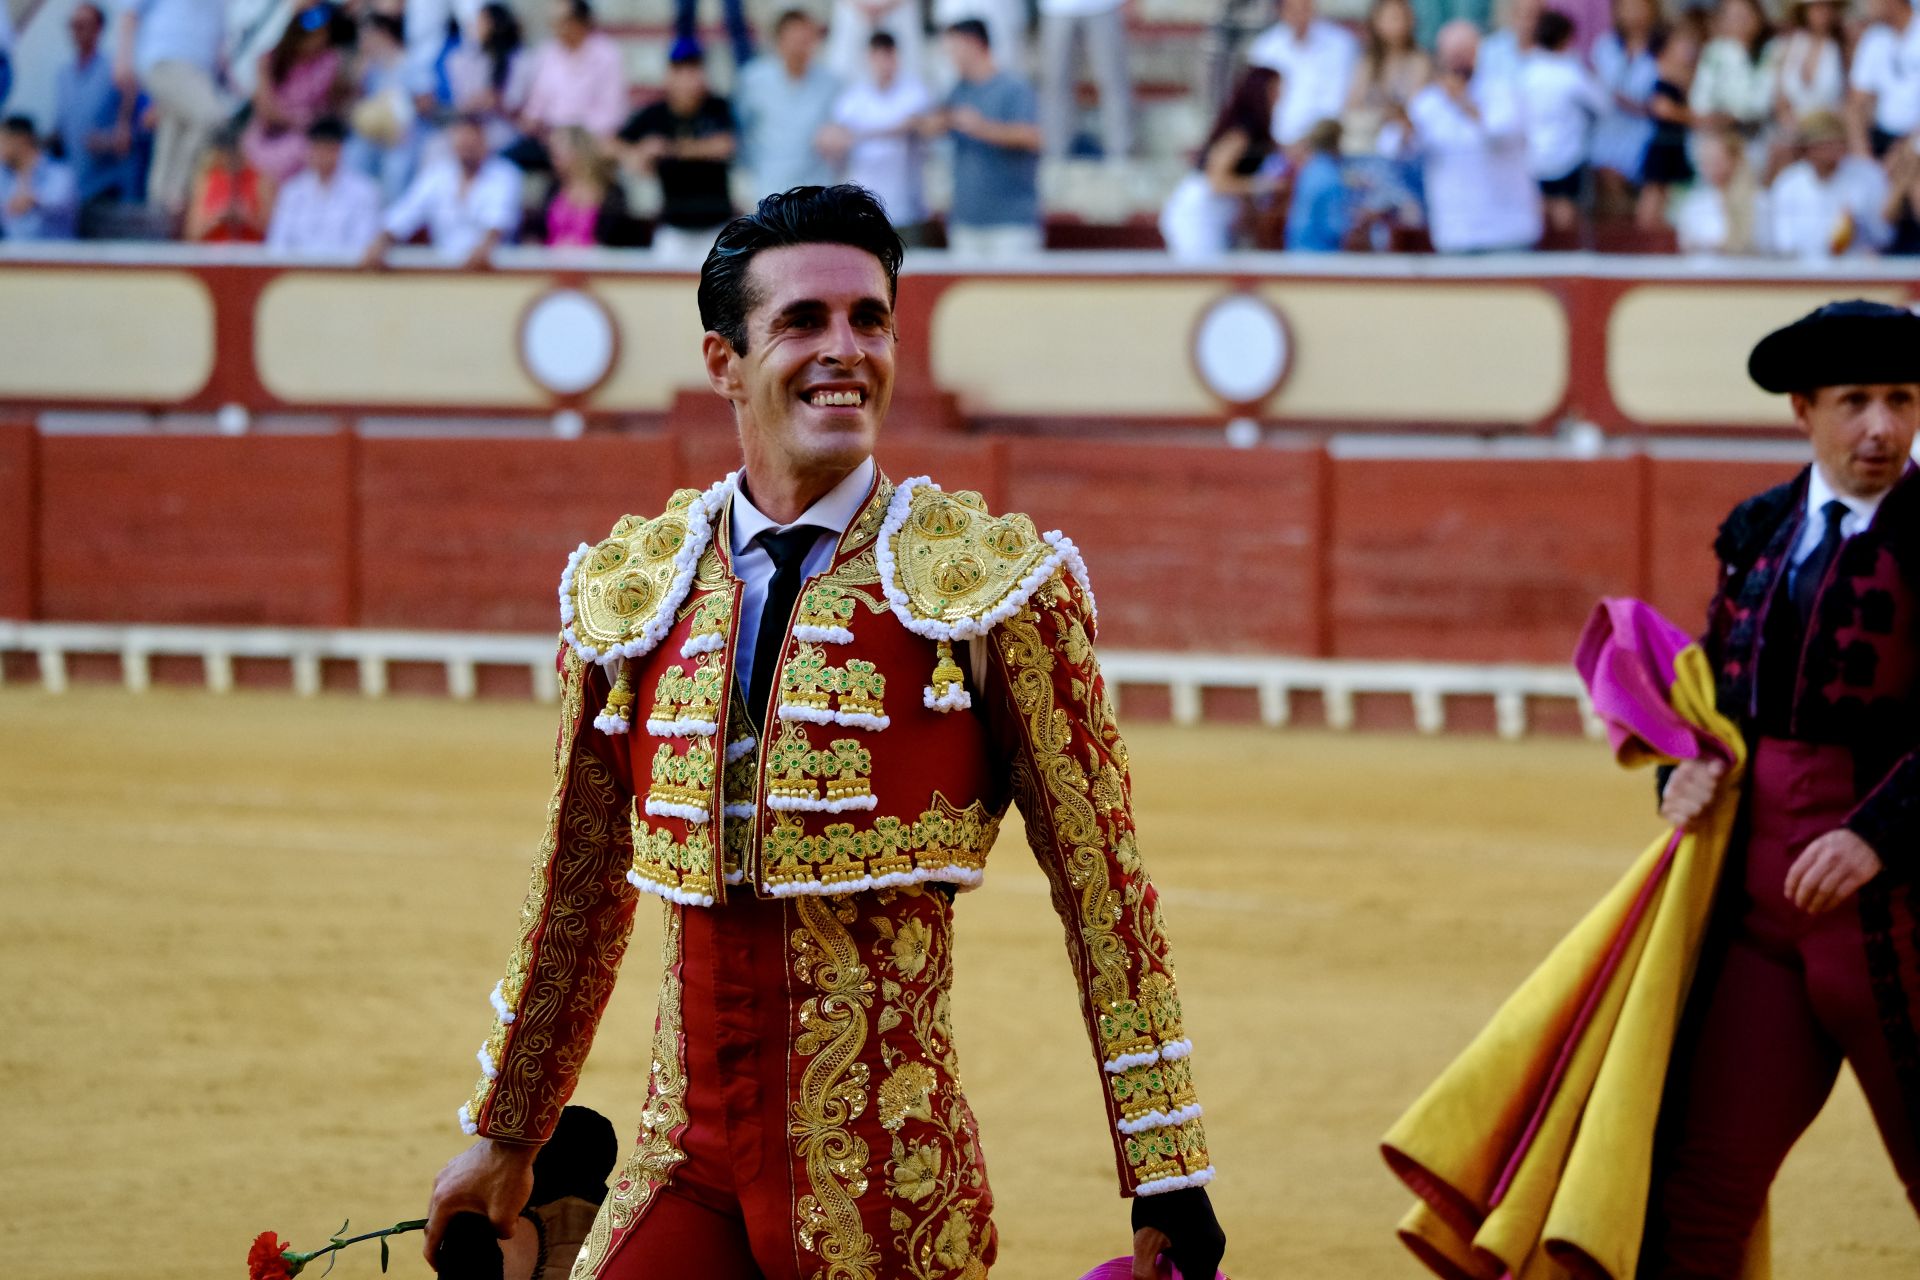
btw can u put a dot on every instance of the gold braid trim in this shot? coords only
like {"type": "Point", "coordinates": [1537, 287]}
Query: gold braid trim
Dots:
{"type": "Point", "coordinates": [656, 1153]}
{"type": "Point", "coordinates": [833, 1089]}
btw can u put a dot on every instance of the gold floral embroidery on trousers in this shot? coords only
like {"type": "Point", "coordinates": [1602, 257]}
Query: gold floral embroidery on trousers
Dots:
{"type": "Point", "coordinates": [657, 1152]}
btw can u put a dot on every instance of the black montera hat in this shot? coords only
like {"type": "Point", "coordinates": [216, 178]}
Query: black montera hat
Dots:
{"type": "Point", "coordinates": [1841, 343]}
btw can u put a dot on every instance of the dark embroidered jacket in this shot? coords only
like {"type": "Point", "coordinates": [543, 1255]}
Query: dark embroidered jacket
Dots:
{"type": "Point", "coordinates": [1857, 681]}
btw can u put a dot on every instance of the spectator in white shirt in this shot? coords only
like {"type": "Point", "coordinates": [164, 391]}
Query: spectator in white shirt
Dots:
{"type": "Point", "coordinates": [327, 209]}
{"type": "Point", "coordinates": [1734, 84]}
{"type": "Point", "coordinates": [1724, 212]}
{"type": "Point", "coordinates": [1502, 52]}
{"type": "Point", "coordinates": [1624, 60]}
{"type": "Point", "coordinates": [578, 77]}
{"type": "Point", "coordinates": [1829, 204]}
{"type": "Point", "coordinates": [1101, 25]}
{"type": "Point", "coordinates": [1886, 79]}
{"type": "Point", "coordinates": [1472, 137]}
{"type": "Point", "coordinates": [468, 202]}
{"type": "Point", "coordinates": [1810, 74]}
{"type": "Point", "coordinates": [852, 26]}
{"type": "Point", "coordinates": [1316, 61]}
{"type": "Point", "coordinates": [874, 138]}
{"type": "Point", "coordinates": [1561, 100]}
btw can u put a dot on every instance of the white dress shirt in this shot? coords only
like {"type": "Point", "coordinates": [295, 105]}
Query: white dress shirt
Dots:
{"type": "Point", "coordinates": [1315, 74]}
{"type": "Point", "coordinates": [1811, 212]}
{"type": "Point", "coordinates": [1860, 512]}
{"type": "Point", "coordinates": [1481, 194]}
{"type": "Point", "coordinates": [335, 219]}
{"type": "Point", "coordinates": [832, 514]}
{"type": "Point", "coordinates": [886, 154]}
{"type": "Point", "coordinates": [1561, 100]}
{"type": "Point", "coordinates": [458, 212]}
{"type": "Point", "coordinates": [1886, 64]}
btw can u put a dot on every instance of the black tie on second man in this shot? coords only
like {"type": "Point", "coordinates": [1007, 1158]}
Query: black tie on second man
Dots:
{"type": "Point", "coordinates": [788, 549]}
{"type": "Point", "coordinates": [1811, 572]}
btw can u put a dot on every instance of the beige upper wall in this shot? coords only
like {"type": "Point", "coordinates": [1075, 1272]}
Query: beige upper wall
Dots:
{"type": "Point", "coordinates": [94, 335]}
{"type": "Point", "coordinates": [1434, 353]}
{"type": "Point", "coordinates": [1677, 354]}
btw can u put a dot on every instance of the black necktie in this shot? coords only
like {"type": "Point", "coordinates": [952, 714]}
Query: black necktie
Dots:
{"type": "Point", "coordinates": [1813, 570]}
{"type": "Point", "coordinates": [788, 549]}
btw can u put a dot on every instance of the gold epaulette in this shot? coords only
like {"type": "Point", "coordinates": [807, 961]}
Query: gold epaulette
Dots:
{"type": "Point", "coordinates": [953, 571]}
{"type": "Point", "coordinates": [618, 597]}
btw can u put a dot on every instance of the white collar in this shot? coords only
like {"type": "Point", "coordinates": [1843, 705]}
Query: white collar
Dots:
{"type": "Point", "coordinates": [835, 510]}
{"type": "Point", "coordinates": [1820, 493]}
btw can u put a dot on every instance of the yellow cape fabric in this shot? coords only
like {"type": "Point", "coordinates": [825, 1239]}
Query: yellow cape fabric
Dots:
{"type": "Point", "coordinates": [1576, 1206]}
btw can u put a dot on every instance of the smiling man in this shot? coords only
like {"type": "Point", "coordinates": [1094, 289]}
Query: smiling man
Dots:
{"type": "Point", "coordinates": [797, 705]}
{"type": "Point", "coordinates": [1815, 638]}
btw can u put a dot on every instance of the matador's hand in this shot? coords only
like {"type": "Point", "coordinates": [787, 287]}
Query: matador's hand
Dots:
{"type": "Point", "coordinates": [491, 1179]}
{"type": "Point", "coordinates": [1181, 1225]}
{"type": "Point", "coordinates": [1830, 870]}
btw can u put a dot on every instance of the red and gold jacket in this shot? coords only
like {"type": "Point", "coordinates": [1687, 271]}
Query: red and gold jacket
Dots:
{"type": "Point", "coordinates": [885, 766]}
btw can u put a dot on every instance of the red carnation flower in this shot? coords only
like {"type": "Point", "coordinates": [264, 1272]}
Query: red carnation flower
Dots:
{"type": "Point", "coordinates": [267, 1259]}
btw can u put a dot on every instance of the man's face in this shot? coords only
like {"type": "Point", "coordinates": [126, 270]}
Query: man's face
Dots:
{"type": "Point", "coordinates": [796, 42]}
{"type": "Point", "coordinates": [1825, 155]}
{"type": "Point", "coordinates": [815, 383]}
{"type": "Point", "coordinates": [1862, 435]}
{"type": "Point", "coordinates": [968, 55]}
{"type": "Point", "coordinates": [1296, 13]}
{"type": "Point", "coordinates": [14, 151]}
{"type": "Point", "coordinates": [687, 84]}
{"type": "Point", "coordinates": [323, 156]}
{"type": "Point", "coordinates": [884, 64]}
{"type": "Point", "coordinates": [85, 26]}
{"type": "Point", "coordinates": [567, 29]}
{"type": "Point", "coordinates": [469, 145]}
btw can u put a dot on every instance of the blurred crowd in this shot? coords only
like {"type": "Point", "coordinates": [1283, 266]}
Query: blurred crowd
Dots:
{"type": "Point", "coordinates": [339, 129]}
{"type": "Point", "coordinates": [1727, 129]}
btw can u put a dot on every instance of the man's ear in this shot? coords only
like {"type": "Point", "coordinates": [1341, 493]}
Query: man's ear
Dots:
{"type": "Point", "coordinates": [1802, 404]}
{"type": "Point", "coordinates": [723, 366]}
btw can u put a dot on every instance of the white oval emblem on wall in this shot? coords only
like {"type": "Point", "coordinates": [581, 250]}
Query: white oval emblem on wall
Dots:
{"type": "Point", "coordinates": [568, 342]}
{"type": "Point", "coordinates": [1241, 349]}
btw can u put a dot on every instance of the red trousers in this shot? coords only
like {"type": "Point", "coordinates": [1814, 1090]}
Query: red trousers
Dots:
{"type": "Point", "coordinates": [726, 1214]}
{"type": "Point", "coordinates": [1780, 1001]}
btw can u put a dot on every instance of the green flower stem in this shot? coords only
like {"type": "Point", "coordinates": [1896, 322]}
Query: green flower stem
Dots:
{"type": "Point", "coordinates": [398, 1228]}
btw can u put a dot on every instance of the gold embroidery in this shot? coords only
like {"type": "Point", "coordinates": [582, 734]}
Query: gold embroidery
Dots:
{"type": "Point", "coordinates": [832, 1091]}
{"type": "Point", "coordinates": [955, 561]}
{"type": "Point", "coordinates": [662, 1118]}
{"type": "Point", "coordinates": [824, 605]}
{"type": "Point", "coordinates": [866, 526]}
{"type": "Point", "coordinates": [660, 858]}
{"type": "Point", "coordinates": [796, 770]}
{"type": "Point", "coordinates": [619, 584]}
{"type": "Point", "coordinates": [861, 688]}
{"type": "Point", "coordinates": [567, 950]}
{"type": "Point", "coordinates": [684, 777]}
{"type": "Point", "coordinates": [803, 679]}
{"type": "Point", "coordinates": [712, 615]}
{"type": "Point", "coordinates": [1080, 825]}
{"type": "Point", "coordinates": [942, 837]}
{"type": "Point", "coordinates": [940, 1219]}
{"type": "Point", "coordinates": [678, 695]}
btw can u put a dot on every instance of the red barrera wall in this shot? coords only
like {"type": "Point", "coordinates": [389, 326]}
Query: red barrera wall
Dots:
{"type": "Point", "coordinates": [1191, 547]}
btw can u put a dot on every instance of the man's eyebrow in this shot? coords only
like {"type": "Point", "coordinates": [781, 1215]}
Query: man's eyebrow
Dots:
{"type": "Point", "coordinates": [809, 306]}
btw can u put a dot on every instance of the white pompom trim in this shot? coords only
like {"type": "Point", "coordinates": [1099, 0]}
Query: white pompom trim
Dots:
{"type": "Point", "coordinates": [1171, 1051]}
{"type": "Point", "coordinates": [823, 635]}
{"type": "Point", "coordinates": [736, 877]}
{"type": "Point", "coordinates": [1161, 1185]}
{"type": "Point", "coordinates": [700, 514]}
{"type": "Point", "coordinates": [901, 507]}
{"type": "Point", "coordinates": [613, 726]}
{"type": "Point", "coordinates": [680, 896]}
{"type": "Point", "coordinates": [955, 699]}
{"type": "Point", "coordinates": [810, 804]}
{"type": "Point", "coordinates": [820, 715]}
{"type": "Point", "coordinates": [740, 812]}
{"type": "Point", "coordinates": [487, 1068]}
{"type": "Point", "coordinates": [1157, 1119]}
{"type": "Point", "coordinates": [965, 877]}
{"type": "Point", "coordinates": [735, 750]}
{"type": "Point", "coordinates": [682, 728]}
{"type": "Point", "coordinates": [467, 1125]}
{"type": "Point", "coordinates": [674, 809]}
{"type": "Point", "coordinates": [712, 642]}
{"type": "Point", "coordinates": [498, 998]}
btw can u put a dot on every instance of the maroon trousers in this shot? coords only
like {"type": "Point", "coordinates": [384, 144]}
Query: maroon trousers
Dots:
{"type": "Point", "coordinates": [1781, 1001]}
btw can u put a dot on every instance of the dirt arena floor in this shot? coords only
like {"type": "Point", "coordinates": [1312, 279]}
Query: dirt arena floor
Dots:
{"type": "Point", "coordinates": [247, 944]}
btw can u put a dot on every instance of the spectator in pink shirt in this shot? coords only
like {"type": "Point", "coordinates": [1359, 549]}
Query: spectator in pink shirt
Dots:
{"type": "Point", "coordinates": [578, 77]}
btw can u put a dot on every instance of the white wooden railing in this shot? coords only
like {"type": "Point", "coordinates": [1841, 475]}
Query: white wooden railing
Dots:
{"type": "Point", "coordinates": [1186, 676]}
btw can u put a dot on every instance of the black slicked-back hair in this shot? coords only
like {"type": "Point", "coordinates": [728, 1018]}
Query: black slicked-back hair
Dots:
{"type": "Point", "coordinates": [844, 214]}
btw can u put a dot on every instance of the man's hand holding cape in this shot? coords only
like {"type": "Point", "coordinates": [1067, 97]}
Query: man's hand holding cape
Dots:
{"type": "Point", "coordinates": [1532, 1154]}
